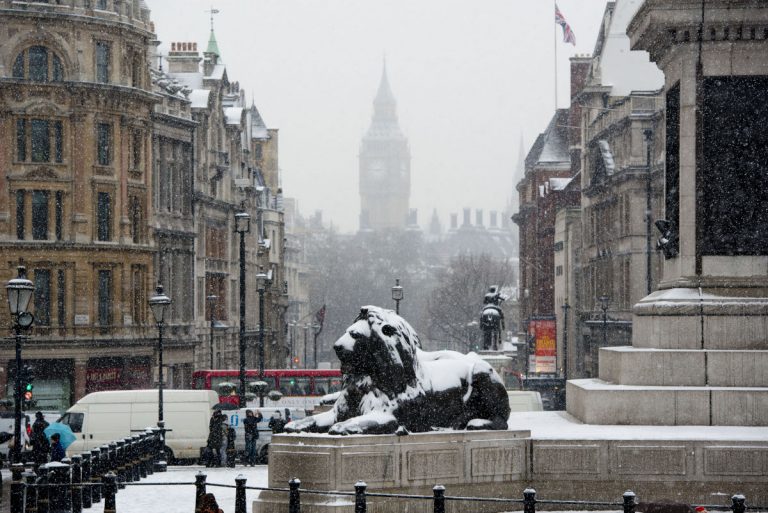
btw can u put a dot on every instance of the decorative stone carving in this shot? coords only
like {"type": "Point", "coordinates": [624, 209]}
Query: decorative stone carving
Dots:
{"type": "Point", "coordinates": [391, 385]}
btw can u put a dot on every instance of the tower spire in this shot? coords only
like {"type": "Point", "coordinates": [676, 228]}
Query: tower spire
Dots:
{"type": "Point", "coordinates": [213, 46]}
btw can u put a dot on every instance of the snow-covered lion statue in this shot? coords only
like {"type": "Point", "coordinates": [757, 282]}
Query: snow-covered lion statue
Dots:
{"type": "Point", "coordinates": [391, 385]}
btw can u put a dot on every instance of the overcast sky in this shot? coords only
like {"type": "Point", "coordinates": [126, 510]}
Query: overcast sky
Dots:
{"type": "Point", "coordinates": [470, 77]}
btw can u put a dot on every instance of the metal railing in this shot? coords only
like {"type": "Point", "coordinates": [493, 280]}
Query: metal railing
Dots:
{"type": "Point", "coordinates": [62, 488]}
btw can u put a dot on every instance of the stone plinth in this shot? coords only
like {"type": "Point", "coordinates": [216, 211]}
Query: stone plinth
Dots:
{"type": "Point", "coordinates": [478, 463]}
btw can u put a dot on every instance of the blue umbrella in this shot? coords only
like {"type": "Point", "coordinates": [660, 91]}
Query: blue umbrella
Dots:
{"type": "Point", "coordinates": [64, 431]}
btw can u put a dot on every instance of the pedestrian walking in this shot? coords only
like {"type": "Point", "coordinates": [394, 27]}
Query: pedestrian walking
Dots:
{"type": "Point", "coordinates": [251, 425]}
{"type": "Point", "coordinates": [57, 450]}
{"type": "Point", "coordinates": [40, 445]}
{"type": "Point", "coordinates": [214, 440]}
{"type": "Point", "coordinates": [224, 428]}
{"type": "Point", "coordinates": [276, 423]}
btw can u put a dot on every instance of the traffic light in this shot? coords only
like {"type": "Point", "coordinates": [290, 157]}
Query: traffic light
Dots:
{"type": "Point", "coordinates": [296, 359]}
{"type": "Point", "coordinates": [27, 377]}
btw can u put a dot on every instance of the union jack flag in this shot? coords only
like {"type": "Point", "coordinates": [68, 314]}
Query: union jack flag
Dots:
{"type": "Point", "coordinates": [568, 35]}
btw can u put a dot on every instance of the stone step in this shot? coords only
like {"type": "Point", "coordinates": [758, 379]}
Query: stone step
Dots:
{"type": "Point", "coordinates": [627, 365]}
{"type": "Point", "coordinates": [594, 401]}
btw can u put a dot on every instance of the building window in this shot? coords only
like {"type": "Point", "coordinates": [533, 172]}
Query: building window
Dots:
{"type": "Point", "coordinates": [61, 297]}
{"type": "Point", "coordinates": [136, 218]}
{"type": "Point", "coordinates": [43, 297]}
{"type": "Point", "coordinates": [105, 298]}
{"type": "Point", "coordinates": [39, 215]}
{"type": "Point", "coordinates": [104, 216]}
{"type": "Point", "coordinates": [102, 62]}
{"type": "Point", "coordinates": [102, 5]}
{"type": "Point", "coordinates": [38, 64]}
{"type": "Point", "coordinates": [104, 148]}
{"type": "Point", "coordinates": [41, 141]}
{"type": "Point", "coordinates": [216, 285]}
{"type": "Point", "coordinates": [138, 295]}
{"type": "Point", "coordinates": [137, 144]}
{"type": "Point", "coordinates": [20, 214]}
{"type": "Point", "coordinates": [35, 134]}
{"type": "Point", "coordinates": [59, 214]}
{"type": "Point", "coordinates": [21, 140]}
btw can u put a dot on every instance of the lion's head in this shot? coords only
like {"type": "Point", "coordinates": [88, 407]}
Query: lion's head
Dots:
{"type": "Point", "coordinates": [381, 345]}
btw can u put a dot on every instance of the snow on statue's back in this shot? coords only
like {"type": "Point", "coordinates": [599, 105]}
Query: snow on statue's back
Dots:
{"type": "Point", "coordinates": [391, 385]}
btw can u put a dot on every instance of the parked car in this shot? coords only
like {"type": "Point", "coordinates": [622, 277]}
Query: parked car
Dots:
{"type": "Point", "coordinates": [265, 434]}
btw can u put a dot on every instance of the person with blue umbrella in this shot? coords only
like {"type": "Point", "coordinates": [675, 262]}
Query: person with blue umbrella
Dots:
{"type": "Point", "coordinates": [65, 438]}
{"type": "Point", "coordinates": [57, 450]}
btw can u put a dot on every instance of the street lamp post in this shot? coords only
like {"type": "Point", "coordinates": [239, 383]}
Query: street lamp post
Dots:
{"type": "Point", "coordinates": [261, 284]}
{"type": "Point", "coordinates": [211, 306]}
{"type": "Point", "coordinates": [316, 331]}
{"type": "Point", "coordinates": [566, 306]}
{"type": "Point", "coordinates": [159, 305]}
{"type": "Point", "coordinates": [397, 295]}
{"type": "Point", "coordinates": [604, 307]}
{"type": "Point", "coordinates": [20, 291]}
{"type": "Point", "coordinates": [242, 226]}
{"type": "Point", "coordinates": [291, 341]}
{"type": "Point", "coordinates": [306, 336]}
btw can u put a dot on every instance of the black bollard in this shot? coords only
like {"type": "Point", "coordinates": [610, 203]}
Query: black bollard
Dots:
{"type": "Point", "coordinates": [97, 469]}
{"type": "Point", "coordinates": [136, 451]}
{"type": "Point", "coordinates": [149, 454]}
{"type": "Point", "coordinates": [77, 483]}
{"type": "Point", "coordinates": [42, 491]}
{"type": "Point", "coordinates": [199, 490]}
{"type": "Point", "coordinates": [17, 488]}
{"type": "Point", "coordinates": [738, 503]}
{"type": "Point", "coordinates": [86, 479]}
{"type": "Point", "coordinates": [629, 501]}
{"type": "Point", "coordinates": [112, 465]}
{"type": "Point", "coordinates": [59, 498]}
{"type": "Point", "coordinates": [439, 499]}
{"type": "Point", "coordinates": [30, 500]}
{"type": "Point", "coordinates": [109, 486]}
{"type": "Point", "coordinates": [143, 455]}
{"type": "Point", "coordinates": [360, 506]}
{"type": "Point", "coordinates": [240, 506]}
{"type": "Point", "coordinates": [120, 463]}
{"type": "Point", "coordinates": [294, 500]}
{"type": "Point", "coordinates": [529, 500]}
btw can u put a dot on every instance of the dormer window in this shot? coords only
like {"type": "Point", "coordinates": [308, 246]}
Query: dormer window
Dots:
{"type": "Point", "coordinates": [38, 64]}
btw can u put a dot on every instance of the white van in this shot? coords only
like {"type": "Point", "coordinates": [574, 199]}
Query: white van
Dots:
{"type": "Point", "coordinates": [102, 417]}
{"type": "Point", "coordinates": [265, 434]}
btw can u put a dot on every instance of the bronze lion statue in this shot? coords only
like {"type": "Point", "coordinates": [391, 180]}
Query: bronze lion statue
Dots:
{"type": "Point", "coordinates": [391, 385]}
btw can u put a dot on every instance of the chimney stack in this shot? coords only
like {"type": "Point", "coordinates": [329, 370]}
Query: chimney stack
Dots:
{"type": "Point", "coordinates": [183, 58]}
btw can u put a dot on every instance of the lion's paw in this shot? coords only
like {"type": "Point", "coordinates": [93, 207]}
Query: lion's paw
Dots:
{"type": "Point", "coordinates": [297, 426]}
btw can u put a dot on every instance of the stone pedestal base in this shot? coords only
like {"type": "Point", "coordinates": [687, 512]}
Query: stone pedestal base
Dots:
{"type": "Point", "coordinates": [477, 463]}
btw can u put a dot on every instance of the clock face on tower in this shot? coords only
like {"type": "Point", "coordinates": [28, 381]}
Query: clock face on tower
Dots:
{"type": "Point", "coordinates": [377, 169]}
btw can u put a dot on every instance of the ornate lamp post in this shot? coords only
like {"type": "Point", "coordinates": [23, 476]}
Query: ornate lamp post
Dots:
{"type": "Point", "coordinates": [159, 304]}
{"type": "Point", "coordinates": [20, 291]}
{"type": "Point", "coordinates": [397, 295]}
{"type": "Point", "coordinates": [211, 306]}
{"type": "Point", "coordinates": [261, 285]}
{"type": "Point", "coordinates": [565, 308]}
{"type": "Point", "coordinates": [242, 226]}
{"type": "Point", "coordinates": [604, 307]}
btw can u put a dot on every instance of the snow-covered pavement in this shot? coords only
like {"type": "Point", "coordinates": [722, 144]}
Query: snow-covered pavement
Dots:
{"type": "Point", "coordinates": [181, 499]}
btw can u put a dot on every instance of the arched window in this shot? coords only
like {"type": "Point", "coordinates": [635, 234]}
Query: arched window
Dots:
{"type": "Point", "coordinates": [39, 64]}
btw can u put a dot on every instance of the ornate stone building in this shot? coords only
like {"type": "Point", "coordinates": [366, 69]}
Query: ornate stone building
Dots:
{"type": "Point", "coordinates": [120, 174]}
{"type": "Point", "coordinates": [76, 118]}
{"type": "Point", "coordinates": [385, 166]}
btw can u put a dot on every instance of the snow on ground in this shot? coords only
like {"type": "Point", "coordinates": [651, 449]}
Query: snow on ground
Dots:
{"type": "Point", "coordinates": [559, 425]}
{"type": "Point", "coordinates": [181, 499]}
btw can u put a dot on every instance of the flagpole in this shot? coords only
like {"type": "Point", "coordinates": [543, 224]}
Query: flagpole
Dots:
{"type": "Point", "coordinates": [554, 8]}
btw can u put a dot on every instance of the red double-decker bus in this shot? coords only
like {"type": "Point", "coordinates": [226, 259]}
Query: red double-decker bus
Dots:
{"type": "Point", "coordinates": [301, 388]}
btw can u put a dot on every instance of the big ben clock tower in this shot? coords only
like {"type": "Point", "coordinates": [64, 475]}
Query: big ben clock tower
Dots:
{"type": "Point", "coordinates": [385, 166]}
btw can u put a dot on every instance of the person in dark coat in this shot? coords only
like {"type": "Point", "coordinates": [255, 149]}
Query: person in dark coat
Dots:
{"type": "Point", "coordinates": [214, 440]}
{"type": "Point", "coordinates": [251, 425]}
{"type": "Point", "coordinates": [40, 445]}
{"type": "Point", "coordinates": [276, 423]}
{"type": "Point", "coordinates": [231, 451]}
{"type": "Point", "coordinates": [57, 450]}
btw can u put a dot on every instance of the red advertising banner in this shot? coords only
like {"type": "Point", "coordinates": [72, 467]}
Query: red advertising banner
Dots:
{"type": "Point", "coordinates": [544, 332]}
